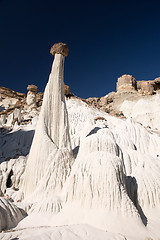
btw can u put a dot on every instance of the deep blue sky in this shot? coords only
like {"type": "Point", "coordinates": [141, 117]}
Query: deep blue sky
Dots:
{"type": "Point", "coordinates": [106, 39]}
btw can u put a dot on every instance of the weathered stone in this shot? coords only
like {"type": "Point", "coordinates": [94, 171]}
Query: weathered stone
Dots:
{"type": "Point", "coordinates": [66, 90]}
{"type": "Point", "coordinates": [156, 80]}
{"type": "Point", "coordinates": [103, 101]}
{"type": "Point", "coordinates": [60, 48]}
{"type": "Point", "coordinates": [145, 87]}
{"type": "Point", "coordinates": [6, 92]}
{"type": "Point", "coordinates": [32, 88]}
{"type": "Point", "coordinates": [126, 82]}
{"type": "Point", "coordinates": [31, 96]}
{"type": "Point", "coordinates": [39, 99]}
{"type": "Point", "coordinates": [2, 119]}
{"type": "Point", "coordinates": [156, 84]}
{"type": "Point", "coordinates": [94, 102]}
{"type": "Point", "coordinates": [31, 99]}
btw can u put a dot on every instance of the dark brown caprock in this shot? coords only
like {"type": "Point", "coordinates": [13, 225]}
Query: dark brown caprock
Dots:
{"type": "Point", "coordinates": [60, 48]}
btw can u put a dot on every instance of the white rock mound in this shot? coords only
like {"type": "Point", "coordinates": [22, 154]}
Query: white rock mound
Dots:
{"type": "Point", "coordinates": [75, 232]}
{"type": "Point", "coordinates": [145, 110]}
{"type": "Point", "coordinates": [95, 191]}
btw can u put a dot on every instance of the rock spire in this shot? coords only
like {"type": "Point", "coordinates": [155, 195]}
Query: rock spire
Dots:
{"type": "Point", "coordinates": [31, 96]}
{"type": "Point", "coordinates": [51, 147]}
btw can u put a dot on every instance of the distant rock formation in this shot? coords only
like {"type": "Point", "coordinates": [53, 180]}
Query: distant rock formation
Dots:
{"type": "Point", "coordinates": [105, 103]}
{"type": "Point", "coordinates": [8, 93]}
{"type": "Point", "coordinates": [31, 96]}
{"type": "Point", "coordinates": [39, 99]}
{"type": "Point", "coordinates": [157, 84]}
{"type": "Point", "coordinates": [128, 83]}
{"type": "Point", "coordinates": [11, 115]}
{"type": "Point", "coordinates": [67, 90]}
{"type": "Point", "coordinates": [13, 103]}
{"type": "Point", "coordinates": [50, 157]}
{"type": "Point", "coordinates": [145, 87]}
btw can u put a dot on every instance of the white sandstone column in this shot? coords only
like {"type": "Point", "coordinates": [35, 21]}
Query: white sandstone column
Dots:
{"type": "Point", "coordinates": [54, 106]}
{"type": "Point", "coordinates": [51, 147]}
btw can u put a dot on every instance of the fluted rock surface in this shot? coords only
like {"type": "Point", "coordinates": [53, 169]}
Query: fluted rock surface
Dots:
{"type": "Point", "coordinates": [51, 145]}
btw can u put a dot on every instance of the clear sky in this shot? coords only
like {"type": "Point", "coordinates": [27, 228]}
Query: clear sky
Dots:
{"type": "Point", "coordinates": [106, 39]}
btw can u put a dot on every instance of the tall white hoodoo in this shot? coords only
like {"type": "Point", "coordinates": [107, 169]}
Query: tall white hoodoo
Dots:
{"type": "Point", "coordinates": [52, 132]}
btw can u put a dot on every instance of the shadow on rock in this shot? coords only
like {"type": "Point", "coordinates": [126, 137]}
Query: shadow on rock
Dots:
{"type": "Point", "coordinates": [132, 188]}
{"type": "Point", "coordinates": [14, 144]}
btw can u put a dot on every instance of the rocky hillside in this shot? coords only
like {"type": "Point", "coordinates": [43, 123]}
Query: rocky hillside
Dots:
{"type": "Point", "coordinates": [130, 100]}
{"type": "Point", "coordinates": [137, 99]}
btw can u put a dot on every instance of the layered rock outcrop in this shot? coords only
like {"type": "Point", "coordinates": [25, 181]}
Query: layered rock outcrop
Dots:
{"type": "Point", "coordinates": [145, 87]}
{"type": "Point", "coordinates": [128, 83]}
{"type": "Point", "coordinates": [12, 103]}
{"type": "Point", "coordinates": [8, 93]}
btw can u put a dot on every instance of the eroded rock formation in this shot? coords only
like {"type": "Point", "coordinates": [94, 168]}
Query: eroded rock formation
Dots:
{"type": "Point", "coordinates": [31, 96]}
{"type": "Point", "coordinates": [8, 93]}
{"type": "Point", "coordinates": [128, 83]}
{"type": "Point", "coordinates": [67, 90]}
{"type": "Point", "coordinates": [145, 87]}
{"type": "Point", "coordinates": [50, 157]}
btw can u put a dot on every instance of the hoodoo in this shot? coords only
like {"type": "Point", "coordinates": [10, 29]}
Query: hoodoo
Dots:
{"type": "Point", "coordinates": [31, 96]}
{"type": "Point", "coordinates": [50, 156]}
